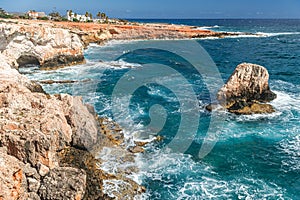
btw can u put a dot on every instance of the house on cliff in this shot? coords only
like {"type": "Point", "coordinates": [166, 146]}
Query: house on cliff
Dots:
{"type": "Point", "coordinates": [82, 18]}
{"type": "Point", "coordinates": [34, 15]}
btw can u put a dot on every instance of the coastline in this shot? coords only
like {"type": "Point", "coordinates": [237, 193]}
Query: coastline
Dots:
{"type": "Point", "coordinates": [76, 133]}
{"type": "Point", "coordinates": [48, 139]}
{"type": "Point", "coordinates": [44, 136]}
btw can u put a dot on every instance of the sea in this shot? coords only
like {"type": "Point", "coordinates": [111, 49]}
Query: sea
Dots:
{"type": "Point", "coordinates": [161, 87]}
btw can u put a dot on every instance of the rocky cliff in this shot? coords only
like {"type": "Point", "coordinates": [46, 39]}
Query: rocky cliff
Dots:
{"type": "Point", "coordinates": [47, 46]}
{"type": "Point", "coordinates": [49, 144]}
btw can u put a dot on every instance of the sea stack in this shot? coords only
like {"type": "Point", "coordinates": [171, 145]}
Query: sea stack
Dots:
{"type": "Point", "coordinates": [247, 91]}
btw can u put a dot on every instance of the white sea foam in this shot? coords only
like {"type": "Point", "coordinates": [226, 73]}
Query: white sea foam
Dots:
{"type": "Point", "coordinates": [251, 35]}
{"type": "Point", "coordinates": [285, 101]}
{"type": "Point", "coordinates": [243, 188]}
{"type": "Point", "coordinates": [276, 34]}
{"type": "Point", "coordinates": [207, 27]}
{"type": "Point", "coordinates": [121, 64]}
{"type": "Point", "coordinates": [112, 43]}
{"type": "Point", "coordinates": [113, 187]}
{"type": "Point", "coordinates": [291, 149]}
{"type": "Point", "coordinates": [203, 182]}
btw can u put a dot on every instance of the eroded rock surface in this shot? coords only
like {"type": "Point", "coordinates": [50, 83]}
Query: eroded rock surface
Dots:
{"type": "Point", "coordinates": [49, 144]}
{"type": "Point", "coordinates": [247, 90]}
{"type": "Point", "coordinates": [63, 183]}
{"type": "Point", "coordinates": [44, 45]}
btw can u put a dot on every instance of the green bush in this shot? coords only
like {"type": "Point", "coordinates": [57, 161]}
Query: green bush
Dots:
{"type": "Point", "coordinates": [3, 15]}
{"type": "Point", "coordinates": [43, 18]}
{"type": "Point", "coordinates": [75, 20]}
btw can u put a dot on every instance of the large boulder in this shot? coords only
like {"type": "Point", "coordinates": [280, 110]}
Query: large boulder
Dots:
{"type": "Point", "coordinates": [247, 90]}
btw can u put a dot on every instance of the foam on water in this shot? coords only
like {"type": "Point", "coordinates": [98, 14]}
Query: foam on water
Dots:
{"type": "Point", "coordinates": [291, 148]}
{"type": "Point", "coordinates": [208, 27]}
{"type": "Point", "coordinates": [170, 175]}
{"type": "Point", "coordinates": [277, 34]}
{"type": "Point", "coordinates": [202, 182]}
{"type": "Point", "coordinates": [251, 35]}
{"type": "Point", "coordinates": [114, 186]}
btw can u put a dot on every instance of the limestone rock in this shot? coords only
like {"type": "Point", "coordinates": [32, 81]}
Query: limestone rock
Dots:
{"type": "Point", "coordinates": [35, 127]}
{"type": "Point", "coordinates": [94, 36]}
{"type": "Point", "coordinates": [254, 108]}
{"type": "Point", "coordinates": [13, 183]}
{"type": "Point", "coordinates": [246, 88]}
{"type": "Point", "coordinates": [44, 45]}
{"type": "Point", "coordinates": [112, 130]}
{"type": "Point", "coordinates": [82, 122]}
{"type": "Point", "coordinates": [63, 183]}
{"type": "Point", "coordinates": [136, 149]}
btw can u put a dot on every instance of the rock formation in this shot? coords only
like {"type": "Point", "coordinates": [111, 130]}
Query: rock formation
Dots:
{"type": "Point", "coordinates": [247, 90]}
{"type": "Point", "coordinates": [36, 130]}
{"type": "Point", "coordinates": [49, 143]}
{"type": "Point", "coordinates": [43, 45]}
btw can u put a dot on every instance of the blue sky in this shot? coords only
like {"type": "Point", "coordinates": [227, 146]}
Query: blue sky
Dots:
{"type": "Point", "coordinates": [166, 8]}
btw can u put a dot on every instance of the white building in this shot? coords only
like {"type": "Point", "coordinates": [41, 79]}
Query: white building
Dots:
{"type": "Point", "coordinates": [82, 18]}
{"type": "Point", "coordinates": [34, 15]}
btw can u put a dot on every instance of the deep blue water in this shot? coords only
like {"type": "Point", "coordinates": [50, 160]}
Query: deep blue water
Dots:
{"type": "Point", "coordinates": [255, 157]}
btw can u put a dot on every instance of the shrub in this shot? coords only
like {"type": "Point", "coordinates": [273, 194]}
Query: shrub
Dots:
{"type": "Point", "coordinates": [43, 18]}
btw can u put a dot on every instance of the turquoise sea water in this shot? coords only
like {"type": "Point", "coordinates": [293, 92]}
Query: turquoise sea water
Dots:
{"type": "Point", "coordinates": [255, 157]}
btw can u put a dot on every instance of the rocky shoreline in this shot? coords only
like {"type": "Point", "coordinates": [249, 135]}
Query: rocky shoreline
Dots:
{"type": "Point", "coordinates": [49, 144]}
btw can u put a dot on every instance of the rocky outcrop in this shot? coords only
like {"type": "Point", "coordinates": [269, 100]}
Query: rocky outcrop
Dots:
{"type": "Point", "coordinates": [247, 90]}
{"type": "Point", "coordinates": [49, 144]}
{"type": "Point", "coordinates": [47, 46]}
{"type": "Point", "coordinates": [93, 36]}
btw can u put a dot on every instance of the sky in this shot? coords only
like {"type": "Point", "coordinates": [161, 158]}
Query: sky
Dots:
{"type": "Point", "coordinates": [164, 8]}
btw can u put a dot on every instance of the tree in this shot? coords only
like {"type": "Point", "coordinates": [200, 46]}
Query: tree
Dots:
{"type": "Point", "coordinates": [55, 16]}
{"type": "Point", "coordinates": [99, 14]}
{"type": "Point", "coordinates": [103, 15]}
{"type": "Point", "coordinates": [3, 14]}
{"type": "Point", "coordinates": [91, 16]}
{"type": "Point", "coordinates": [70, 13]}
{"type": "Point", "coordinates": [2, 11]}
{"type": "Point", "coordinates": [86, 14]}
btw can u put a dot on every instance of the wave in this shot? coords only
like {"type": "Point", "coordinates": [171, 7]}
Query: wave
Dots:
{"type": "Point", "coordinates": [276, 34]}
{"type": "Point", "coordinates": [243, 188]}
{"type": "Point", "coordinates": [121, 64]}
{"type": "Point", "coordinates": [109, 43]}
{"type": "Point", "coordinates": [291, 149]}
{"type": "Point", "coordinates": [208, 27]}
{"type": "Point", "coordinates": [173, 174]}
{"type": "Point", "coordinates": [249, 35]}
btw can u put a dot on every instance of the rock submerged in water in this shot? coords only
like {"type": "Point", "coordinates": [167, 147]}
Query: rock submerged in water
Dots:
{"type": "Point", "coordinates": [247, 91]}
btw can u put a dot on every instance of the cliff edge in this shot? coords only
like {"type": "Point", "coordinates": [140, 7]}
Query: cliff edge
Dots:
{"type": "Point", "coordinates": [49, 144]}
{"type": "Point", "coordinates": [47, 46]}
